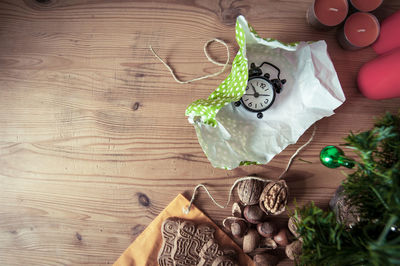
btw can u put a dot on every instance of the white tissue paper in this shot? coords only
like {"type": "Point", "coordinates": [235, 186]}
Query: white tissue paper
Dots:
{"type": "Point", "coordinates": [231, 135]}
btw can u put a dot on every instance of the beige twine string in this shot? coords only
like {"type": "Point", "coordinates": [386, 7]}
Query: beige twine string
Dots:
{"type": "Point", "coordinates": [209, 59]}
{"type": "Point", "coordinates": [187, 209]}
{"type": "Point", "coordinates": [297, 152]}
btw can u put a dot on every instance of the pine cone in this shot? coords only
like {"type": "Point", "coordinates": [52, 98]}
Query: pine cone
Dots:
{"type": "Point", "coordinates": [274, 197]}
{"type": "Point", "coordinates": [345, 213]}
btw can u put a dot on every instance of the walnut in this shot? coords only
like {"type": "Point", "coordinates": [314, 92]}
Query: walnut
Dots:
{"type": "Point", "coordinates": [249, 191]}
{"type": "Point", "coordinates": [274, 197]}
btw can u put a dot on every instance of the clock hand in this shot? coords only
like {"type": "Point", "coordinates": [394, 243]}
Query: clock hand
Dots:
{"type": "Point", "coordinates": [257, 94]}
{"type": "Point", "coordinates": [254, 89]}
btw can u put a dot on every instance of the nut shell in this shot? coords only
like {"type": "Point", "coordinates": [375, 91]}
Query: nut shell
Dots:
{"type": "Point", "coordinates": [237, 210]}
{"type": "Point", "coordinates": [253, 214]}
{"type": "Point", "coordinates": [251, 241]}
{"type": "Point", "coordinates": [230, 252]}
{"type": "Point", "coordinates": [274, 197]}
{"type": "Point", "coordinates": [266, 229]}
{"type": "Point", "coordinates": [249, 191]}
{"type": "Point", "coordinates": [282, 237]}
{"type": "Point", "coordinates": [223, 261]}
{"type": "Point", "coordinates": [268, 243]}
{"type": "Point", "coordinates": [265, 260]}
{"type": "Point", "coordinates": [237, 226]}
{"type": "Point", "coordinates": [293, 250]}
{"type": "Point", "coordinates": [292, 226]}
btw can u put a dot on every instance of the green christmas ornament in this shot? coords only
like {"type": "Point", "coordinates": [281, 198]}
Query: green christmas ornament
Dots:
{"type": "Point", "coordinates": [333, 157]}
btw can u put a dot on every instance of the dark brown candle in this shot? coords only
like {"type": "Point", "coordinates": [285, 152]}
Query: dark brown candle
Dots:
{"type": "Point", "coordinates": [325, 14]}
{"type": "Point", "coordinates": [360, 30]}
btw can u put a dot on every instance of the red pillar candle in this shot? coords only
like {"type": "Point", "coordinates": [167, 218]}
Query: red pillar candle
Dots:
{"type": "Point", "coordinates": [360, 30]}
{"type": "Point", "coordinates": [366, 5]}
{"type": "Point", "coordinates": [325, 14]}
{"type": "Point", "coordinates": [389, 36]}
{"type": "Point", "coordinates": [379, 79]}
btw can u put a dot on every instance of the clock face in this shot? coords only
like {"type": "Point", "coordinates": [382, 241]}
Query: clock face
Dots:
{"type": "Point", "coordinates": [260, 95]}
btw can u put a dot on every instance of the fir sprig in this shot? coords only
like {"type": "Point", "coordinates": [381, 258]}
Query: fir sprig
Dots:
{"type": "Point", "coordinates": [374, 188]}
{"type": "Point", "coordinates": [375, 185]}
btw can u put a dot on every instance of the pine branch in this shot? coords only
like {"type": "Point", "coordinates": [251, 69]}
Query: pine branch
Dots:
{"type": "Point", "coordinates": [374, 188]}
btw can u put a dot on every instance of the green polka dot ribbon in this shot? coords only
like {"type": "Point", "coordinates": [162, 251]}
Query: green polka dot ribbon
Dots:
{"type": "Point", "coordinates": [230, 90]}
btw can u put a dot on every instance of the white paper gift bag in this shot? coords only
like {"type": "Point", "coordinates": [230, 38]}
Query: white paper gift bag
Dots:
{"type": "Point", "coordinates": [296, 82]}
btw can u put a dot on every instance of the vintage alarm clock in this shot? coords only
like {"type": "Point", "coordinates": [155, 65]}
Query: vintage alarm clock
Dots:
{"type": "Point", "coordinates": [261, 90]}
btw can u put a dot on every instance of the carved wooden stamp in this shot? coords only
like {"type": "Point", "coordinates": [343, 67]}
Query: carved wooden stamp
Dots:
{"type": "Point", "coordinates": [185, 243]}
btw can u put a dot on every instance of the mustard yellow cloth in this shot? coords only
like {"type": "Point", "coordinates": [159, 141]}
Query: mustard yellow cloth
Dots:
{"type": "Point", "coordinates": [144, 250]}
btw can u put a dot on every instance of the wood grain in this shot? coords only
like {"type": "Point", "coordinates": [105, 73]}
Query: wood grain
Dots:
{"type": "Point", "coordinates": [94, 142]}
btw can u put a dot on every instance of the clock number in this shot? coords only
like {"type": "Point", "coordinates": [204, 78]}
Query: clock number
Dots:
{"type": "Point", "coordinates": [250, 104]}
{"type": "Point", "coordinates": [266, 101]}
{"type": "Point", "coordinates": [256, 105]}
{"type": "Point", "coordinates": [262, 85]}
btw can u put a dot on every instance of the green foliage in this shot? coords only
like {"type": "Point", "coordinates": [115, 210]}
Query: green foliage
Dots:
{"type": "Point", "coordinates": [374, 188]}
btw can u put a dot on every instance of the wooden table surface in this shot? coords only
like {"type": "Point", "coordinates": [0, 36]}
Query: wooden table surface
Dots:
{"type": "Point", "coordinates": [94, 141]}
